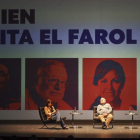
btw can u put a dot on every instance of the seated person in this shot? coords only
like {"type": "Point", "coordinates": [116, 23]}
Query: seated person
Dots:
{"type": "Point", "coordinates": [53, 114]}
{"type": "Point", "coordinates": [104, 110]}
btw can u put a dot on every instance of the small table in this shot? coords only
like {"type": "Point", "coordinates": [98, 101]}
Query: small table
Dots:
{"type": "Point", "coordinates": [75, 113]}
{"type": "Point", "coordinates": [131, 113]}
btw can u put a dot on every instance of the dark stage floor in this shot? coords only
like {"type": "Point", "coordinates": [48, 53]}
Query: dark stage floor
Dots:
{"type": "Point", "coordinates": [87, 131]}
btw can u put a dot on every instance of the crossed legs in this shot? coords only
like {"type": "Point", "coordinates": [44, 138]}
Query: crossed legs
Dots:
{"type": "Point", "coordinates": [58, 118]}
{"type": "Point", "coordinates": [107, 121]}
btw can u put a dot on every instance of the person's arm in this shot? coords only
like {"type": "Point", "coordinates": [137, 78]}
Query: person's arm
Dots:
{"type": "Point", "coordinates": [98, 109]}
{"type": "Point", "coordinates": [47, 112]}
{"type": "Point", "coordinates": [109, 108]}
{"type": "Point", "coordinates": [54, 111]}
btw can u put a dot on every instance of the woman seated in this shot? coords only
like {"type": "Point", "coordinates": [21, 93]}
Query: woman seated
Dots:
{"type": "Point", "coordinates": [53, 114]}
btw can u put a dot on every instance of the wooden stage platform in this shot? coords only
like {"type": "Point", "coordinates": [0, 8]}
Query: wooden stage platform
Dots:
{"type": "Point", "coordinates": [87, 131]}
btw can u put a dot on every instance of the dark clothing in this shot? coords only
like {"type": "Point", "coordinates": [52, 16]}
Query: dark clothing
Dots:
{"type": "Point", "coordinates": [10, 100]}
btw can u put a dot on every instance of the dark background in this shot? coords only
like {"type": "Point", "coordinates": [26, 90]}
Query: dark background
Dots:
{"type": "Point", "coordinates": [14, 68]}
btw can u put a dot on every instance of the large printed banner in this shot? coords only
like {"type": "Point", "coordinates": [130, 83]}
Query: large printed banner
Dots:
{"type": "Point", "coordinates": [10, 84]}
{"type": "Point", "coordinates": [111, 78]}
{"type": "Point", "coordinates": [71, 52]}
{"type": "Point", "coordinates": [54, 79]}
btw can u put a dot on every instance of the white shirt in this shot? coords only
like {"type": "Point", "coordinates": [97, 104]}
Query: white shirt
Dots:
{"type": "Point", "coordinates": [104, 109]}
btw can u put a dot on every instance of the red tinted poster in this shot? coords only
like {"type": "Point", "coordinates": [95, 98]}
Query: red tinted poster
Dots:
{"type": "Point", "coordinates": [55, 79]}
{"type": "Point", "coordinates": [111, 78]}
{"type": "Point", "coordinates": [10, 84]}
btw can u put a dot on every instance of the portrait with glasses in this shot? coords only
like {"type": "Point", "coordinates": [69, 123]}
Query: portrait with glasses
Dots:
{"type": "Point", "coordinates": [55, 79]}
{"type": "Point", "coordinates": [10, 84]}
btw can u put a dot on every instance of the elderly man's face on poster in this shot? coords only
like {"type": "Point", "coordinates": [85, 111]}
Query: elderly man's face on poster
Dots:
{"type": "Point", "coordinates": [51, 78]}
{"type": "Point", "coordinates": [52, 85]}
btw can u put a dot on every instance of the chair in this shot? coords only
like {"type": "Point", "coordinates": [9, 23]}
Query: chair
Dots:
{"type": "Point", "coordinates": [43, 117]}
{"type": "Point", "coordinates": [95, 116]}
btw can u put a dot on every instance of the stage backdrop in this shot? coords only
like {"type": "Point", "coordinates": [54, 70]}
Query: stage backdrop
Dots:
{"type": "Point", "coordinates": [56, 49]}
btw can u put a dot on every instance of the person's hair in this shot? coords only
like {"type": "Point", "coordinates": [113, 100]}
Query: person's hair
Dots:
{"type": "Point", "coordinates": [47, 64]}
{"type": "Point", "coordinates": [70, 137]}
{"type": "Point", "coordinates": [104, 67]}
{"type": "Point", "coordinates": [47, 102]}
{"type": "Point", "coordinates": [33, 137]}
{"type": "Point", "coordinates": [14, 137]}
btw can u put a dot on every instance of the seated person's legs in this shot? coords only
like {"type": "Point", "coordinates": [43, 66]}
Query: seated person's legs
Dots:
{"type": "Point", "coordinates": [63, 125]}
{"type": "Point", "coordinates": [58, 118]}
{"type": "Point", "coordinates": [101, 117]}
{"type": "Point", "coordinates": [109, 118]}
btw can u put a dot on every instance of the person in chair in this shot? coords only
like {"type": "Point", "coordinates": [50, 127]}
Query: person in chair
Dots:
{"type": "Point", "coordinates": [104, 109]}
{"type": "Point", "coordinates": [53, 114]}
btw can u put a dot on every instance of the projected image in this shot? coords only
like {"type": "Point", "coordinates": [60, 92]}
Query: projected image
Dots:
{"type": "Point", "coordinates": [113, 79]}
{"type": "Point", "coordinates": [10, 84]}
{"type": "Point", "coordinates": [55, 79]}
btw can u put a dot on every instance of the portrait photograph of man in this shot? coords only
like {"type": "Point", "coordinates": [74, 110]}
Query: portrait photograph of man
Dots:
{"type": "Point", "coordinates": [51, 78]}
{"type": "Point", "coordinates": [111, 78]}
{"type": "Point", "coordinates": [10, 84]}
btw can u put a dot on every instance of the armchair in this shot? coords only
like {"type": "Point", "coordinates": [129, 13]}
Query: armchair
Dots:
{"type": "Point", "coordinates": [95, 116]}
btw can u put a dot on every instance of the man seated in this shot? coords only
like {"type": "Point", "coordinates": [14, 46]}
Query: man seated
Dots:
{"type": "Point", "coordinates": [104, 110]}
